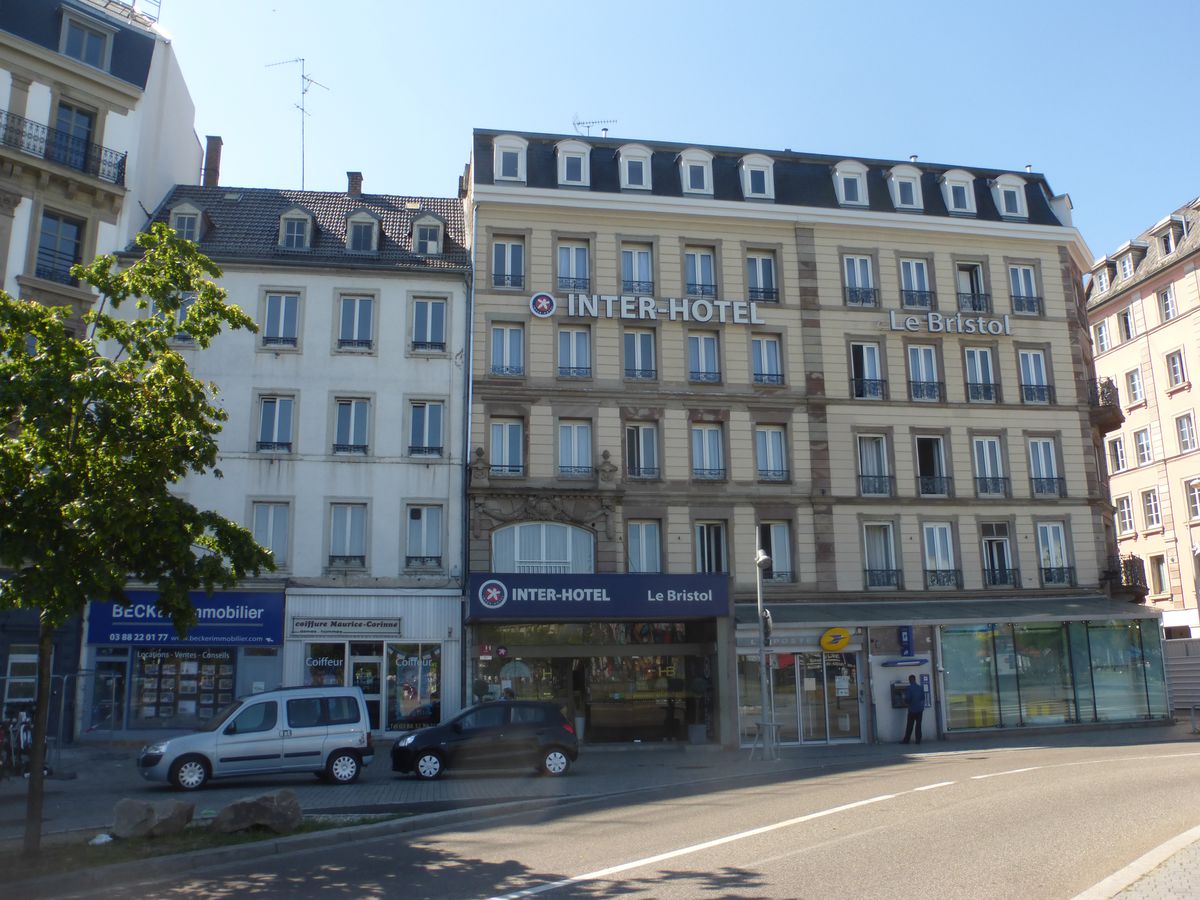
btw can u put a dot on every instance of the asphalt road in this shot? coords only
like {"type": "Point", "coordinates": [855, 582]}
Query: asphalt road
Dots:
{"type": "Point", "coordinates": [1028, 823]}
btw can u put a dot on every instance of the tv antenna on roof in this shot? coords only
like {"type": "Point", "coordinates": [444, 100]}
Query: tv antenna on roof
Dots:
{"type": "Point", "coordinates": [580, 125]}
{"type": "Point", "coordinates": [305, 83]}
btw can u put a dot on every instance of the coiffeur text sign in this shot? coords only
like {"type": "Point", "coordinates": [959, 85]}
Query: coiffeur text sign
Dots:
{"type": "Point", "coordinates": [557, 597]}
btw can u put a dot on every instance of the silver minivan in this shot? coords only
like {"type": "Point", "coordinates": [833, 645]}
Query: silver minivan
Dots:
{"type": "Point", "coordinates": [323, 730]}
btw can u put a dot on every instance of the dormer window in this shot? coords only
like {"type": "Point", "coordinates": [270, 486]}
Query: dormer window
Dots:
{"type": "Point", "coordinates": [904, 185]}
{"type": "Point", "coordinates": [850, 183]}
{"type": "Point", "coordinates": [758, 177]}
{"type": "Point", "coordinates": [635, 167]}
{"type": "Point", "coordinates": [509, 162]}
{"type": "Point", "coordinates": [427, 236]}
{"type": "Point", "coordinates": [1008, 192]}
{"type": "Point", "coordinates": [1167, 243]}
{"type": "Point", "coordinates": [574, 169]}
{"type": "Point", "coordinates": [185, 220]}
{"type": "Point", "coordinates": [695, 171]}
{"type": "Point", "coordinates": [958, 191]}
{"type": "Point", "coordinates": [1127, 266]}
{"type": "Point", "coordinates": [1102, 280]}
{"type": "Point", "coordinates": [362, 232]}
{"type": "Point", "coordinates": [295, 234]}
{"type": "Point", "coordinates": [1169, 232]}
{"type": "Point", "coordinates": [86, 40]}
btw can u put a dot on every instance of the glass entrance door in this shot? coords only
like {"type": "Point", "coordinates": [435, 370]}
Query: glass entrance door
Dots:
{"type": "Point", "coordinates": [830, 709]}
{"type": "Point", "coordinates": [783, 676]}
{"type": "Point", "coordinates": [366, 669]}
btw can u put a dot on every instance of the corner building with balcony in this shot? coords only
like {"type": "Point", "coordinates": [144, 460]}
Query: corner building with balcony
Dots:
{"type": "Point", "coordinates": [876, 372]}
{"type": "Point", "coordinates": [96, 124]}
{"type": "Point", "coordinates": [1143, 307]}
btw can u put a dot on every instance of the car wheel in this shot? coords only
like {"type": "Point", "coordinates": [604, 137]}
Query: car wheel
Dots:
{"type": "Point", "coordinates": [555, 762]}
{"type": "Point", "coordinates": [343, 767]}
{"type": "Point", "coordinates": [429, 766]}
{"type": "Point", "coordinates": [189, 773]}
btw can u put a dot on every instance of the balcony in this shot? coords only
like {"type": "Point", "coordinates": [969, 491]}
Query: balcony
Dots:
{"type": "Point", "coordinates": [774, 378]}
{"type": "Point", "coordinates": [567, 283]}
{"type": "Point", "coordinates": [54, 266]}
{"type": "Point", "coordinates": [708, 474]}
{"type": "Point", "coordinates": [642, 473]}
{"type": "Point", "coordinates": [983, 392]}
{"type": "Point", "coordinates": [574, 371]}
{"type": "Point", "coordinates": [991, 486]}
{"type": "Point", "coordinates": [943, 578]}
{"type": "Point", "coordinates": [424, 450]}
{"type": "Point", "coordinates": [1048, 487]}
{"type": "Point", "coordinates": [506, 471]}
{"type": "Point", "coordinates": [508, 371]}
{"type": "Point", "coordinates": [500, 280]}
{"type": "Point", "coordinates": [1027, 306]}
{"type": "Point", "coordinates": [927, 391]}
{"type": "Point", "coordinates": [576, 473]}
{"type": "Point", "coordinates": [640, 288]}
{"type": "Point", "coordinates": [347, 562]}
{"type": "Point", "coordinates": [1126, 575]}
{"type": "Point", "coordinates": [774, 476]}
{"type": "Point", "coordinates": [355, 343]}
{"type": "Point", "coordinates": [979, 303]}
{"type": "Point", "coordinates": [917, 299]}
{"type": "Point", "coordinates": [877, 578]}
{"type": "Point", "coordinates": [764, 294]}
{"type": "Point", "coordinates": [273, 446]}
{"type": "Point", "coordinates": [56, 146]}
{"type": "Point", "coordinates": [357, 449]}
{"type": "Point", "coordinates": [862, 297]}
{"type": "Point", "coordinates": [1002, 578]}
{"type": "Point", "coordinates": [876, 485]}
{"type": "Point", "coordinates": [422, 562]}
{"type": "Point", "coordinates": [698, 289]}
{"type": "Point", "coordinates": [868, 388]}
{"type": "Point", "coordinates": [278, 341]}
{"type": "Point", "coordinates": [1104, 404]}
{"type": "Point", "coordinates": [707, 376]}
{"type": "Point", "coordinates": [1058, 576]}
{"type": "Point", "coordinates": [934, 485]}
{"type": "Point", "coordinates": [429, 346]}
{"type": "Point", "coordinates": [1037, 393]}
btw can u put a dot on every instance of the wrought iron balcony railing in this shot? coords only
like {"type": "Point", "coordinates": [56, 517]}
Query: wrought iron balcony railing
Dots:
{"type": "Point", "coordinates": [868, 388]}
{"type": "Point", "coordinates": [943, 578]}
{"type": "Point", "coordinates": [864, 297]}
{"type": "Point", "coordinates": [882, 578]}
{"type": "Point", "coordinates": [1103, 392]}
{"type": "Point", "coordinates": [1027, 305]}
{"type": "Point", "coordinates": [927, 391]}
{"type": "Point", "coordinates": [644, 288]}
{"type": "Point", "coordinates": [360, 449]}
{"type": "Point", "coordinates": [501, 280]}
{"type": "Point", "coordinates": [1037, 393]}
{"type": "Point", "coordinates": [1058, 575]}
{"type": "Point", "coordinates": [774, 475]}
{"type": "Point", "coordinates": [876, 485]}
{"type": "Point", "coordinates": [274, 446]}
{"type": "Point", "coordinates": [422, 562]}
{"type": "Point", "coordinates": [1002, 577]}
{"type": "Point", "coordinates": [508, 371]}
{"type": "Point", "coordinates": [642, 374]}
{"type": "Point", "coordinates": [983, 391]}
{"type": "Point", "coordinates": [708, 474]}
{"type": "Point", "coordinates": [1128, 572]}
{"type": "Point", "coordinates": [1048, 487]}
{"type": "Point", "coordinates": [917, 299]}
{"type": "Point", "coordinates": [697, 289]}
{"type": "Point", "coordinates": [980, 303]}
{"type": "Point", "coordinates": [643, 473]}
{"type": "Point", "coordinates": [768, 378]}
{"type": "Point", "coordinates": [424, 450]}
{"type": "Point", "coordinates": [341, 561]}
{"type": "Point", "coordinates": [355, 343]}
{"type": "Point", "coordinates": [706, 376]}
{"type": "Point", "coordinates": [764, 294]}
{"type": "Point", "coordinates": [60, 147]}
{"type": "Point", "coordinates": [278, 340]}
{"type": "Point", "coordinates": [991, 486]}
{"type": "Point", "coordinates": [567, 283]}
{"type": "Point", "coordinates": [934, 485]}
{"type": "Point", "coordinates": [575, 472]}
{"type": "Point", "coordinates": [438, 346]}
{"type": "Point", "coordinates": [54, 266]}
{"type": "Point", "coordinates": [574, 371]}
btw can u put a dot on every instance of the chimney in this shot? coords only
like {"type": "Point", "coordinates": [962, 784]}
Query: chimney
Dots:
{"type": "Point", "coordinates": [354, 184]}
{"type": "Point", "coordinates": [212, 161]}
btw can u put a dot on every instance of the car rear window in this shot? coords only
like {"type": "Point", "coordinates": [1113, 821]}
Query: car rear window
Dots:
{"type": "Point", "coordinates": [537, 715]}
{"type": "Point", "coordinates": [343, 710]}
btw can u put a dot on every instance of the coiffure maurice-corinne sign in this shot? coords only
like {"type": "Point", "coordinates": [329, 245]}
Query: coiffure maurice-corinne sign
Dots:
{"type": "Point", "coordinates": [672, 309]}
{"type": "Point", "coordinates": [551, 597]}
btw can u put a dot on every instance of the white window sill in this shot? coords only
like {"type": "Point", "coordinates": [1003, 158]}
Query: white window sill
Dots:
{"type": "Point", "coordinates": [1140, 404]}
{"type": "Point", "coordinates": [1151, 532]}
{"type": "Point", "coordinates": [1182, 386]}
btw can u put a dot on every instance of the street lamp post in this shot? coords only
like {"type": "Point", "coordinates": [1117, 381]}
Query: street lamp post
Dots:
{"type": "Point", "coordinates": [767, 723]}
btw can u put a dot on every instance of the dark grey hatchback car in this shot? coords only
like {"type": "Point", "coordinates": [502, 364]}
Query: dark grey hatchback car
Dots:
{"type": "Point", "coordinates": [495, 735]}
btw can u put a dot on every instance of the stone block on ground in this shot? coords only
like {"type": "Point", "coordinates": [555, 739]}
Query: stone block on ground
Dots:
{"type": "Point", "coordinates": [171, 817]}
{"type": "Point", "coordinates": [132, 818]}
{"type": "Point", "coordinates": [279, 812]}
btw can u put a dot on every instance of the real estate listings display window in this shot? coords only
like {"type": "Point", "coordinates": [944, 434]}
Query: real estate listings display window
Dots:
{"type": "Point", "coordinates": [181, 687]}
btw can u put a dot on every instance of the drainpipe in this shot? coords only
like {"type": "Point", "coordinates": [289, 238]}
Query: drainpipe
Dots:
{"type": "Point", "coordinates": [469, 374]}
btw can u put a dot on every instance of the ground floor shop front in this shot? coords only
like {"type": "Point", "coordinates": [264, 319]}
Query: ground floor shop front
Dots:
{"type": "Point", "coordinates": [837, 670]}
{"type": "Point", "coordinates": [628, 657]}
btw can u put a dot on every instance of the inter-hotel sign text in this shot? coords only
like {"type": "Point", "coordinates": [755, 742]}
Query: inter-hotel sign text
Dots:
{"type": "Point", "coordinates": [936, 323]}
{"type": "Point", "coordinates": [674, 309]}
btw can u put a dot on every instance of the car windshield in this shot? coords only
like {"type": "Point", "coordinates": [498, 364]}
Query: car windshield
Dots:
{"type": "Point", "coordinates": [222, 717]}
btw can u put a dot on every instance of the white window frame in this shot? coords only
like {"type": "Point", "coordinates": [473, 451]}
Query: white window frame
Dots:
{"type": "Point", "coordinates": [762, 284]}
{"type": "Point", "coordinates": [186, 214]}
{"type": "Point", "coordinates": [579, 151]}
{"type": "Point", "coordinates": [754, 163]}
{"type": "Point", "coordinates": [853, 172]}
{"type": "Point", "coordinates": [348, 537]}
{"type": "Point", "coordinates": [1193, 499]}
{"type": "Point", "coordinates": [106, 33]}
{"type": "Point", "coordinates": [775, 539]}
{"type": "Point", "coordinates": [427, 236]}
{"type": "Point", "coordinates": [909, 175]}
{"type": "Point", "coordinates": [1005, 186]}
{"type": "Point", "coordinates": [575, 447]}
{"type": "Point", "coordinates": [429, 339]}
{"type": "Point", "coordinates": [276, 434]}
{"type": "Point", "coordinates": [700, 263]}
{"type": "Point", "coordinates": [771, 453]}
{"type": "Point", "coordinates": [636, 260]}
{"type": "Point", "coordinates": [1101, 337]}
{"type": "Point", "coordinates": [1185, 430]}
{"type": "Point", "coordinates": [1160, 576]}
{"type": "Point", "coordinates": [354, 226]}
{"type": "Point", "coordinates": [424, 541]}
{"type": "Point", "coordinates": [923, 370]}
{"type": "Point", "coordinates": [351, 420]}
{"type": "Point", "coordinates": [1143, 447]}
{"type": "Point", "coordinates": [1117, 460]}
{"type": "Point", "coordinates": [1127, 324]}
{"type": "Point", "coordinates": [641, 455]}
{"type": "Point", "coordinates": [873, 462]}
{"type": "Point", "coordinates": [509, 143]}
{"type": "Point", "coordinates": [510, 361]}
{"type": "Point", "coordinates": [858, 274]}
{"type": "Point", "coordinates": [978, 365]}
{"type": "Point", "coordinates": [766, 358]}
{"type": "Point", "coordinates": [289, 239]}
{"type": "Point", "coordinates": [574, 265]}
{"type": "Point", "coordinates": [575, 351]}
{"type": "Point", "coordinates": [914, 279]}
{"type": "Point", "coordinates": [937, 546]}
{"type": "Point", "coordinates": [708, 452]}
{"type": "Point", "coordinates": [694, 156]}
{"type": "Point", "coordinates": [959, 178]}
{"type": "Point", "coordinates": [704, 350]}
{"type": "Point", "coordinates": [351, 328]}
{"type": "Point", "coordinates": [1123, 514]}
{"type": "Point", "coordinates": [1151, 510]}
{"type": "Point", "coordinates": [1177, 375]}
{"type": "Point", "coordinates": [1168, 309]}
{"type": "Point", "coordinates": [635, 153]}
{"type": "Point", "coordinates": [711, 547]}
{"type": "Point", "coordinates": [641, 342]}
{"type": "Point", "coordinates": [871, 355]}
{"type": "Point", "coordinates": [887, 545]}
{"type": "Point", "coordinates": [1127, 267]}
{"type": "Point", "coordinates": [1101, 276]}
{"type": "Point", "coordinates": [505, 273]}
{"type": "Point", "coordinates": [275, 332]}
{"type": "Point", "coordinates": [512, 544]}
{"type": "Point", "coordinates": [1134, 387]}
{"type": "Point", "coordinates": [643, 545]}
{"type": "Point", "coordinates": [506, 447]}
{"type": "Point", "coordinates": [270, 525]}
{"type": "Point", "coordinates": [421, 431]}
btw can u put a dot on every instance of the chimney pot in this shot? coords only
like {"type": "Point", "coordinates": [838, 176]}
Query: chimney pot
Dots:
{"type": "Point", "coordinates": [913, 158]}
{"type": "Point", "coordinates": [354, 184]}
{"type": "Point", "coordinates": [212, 161]}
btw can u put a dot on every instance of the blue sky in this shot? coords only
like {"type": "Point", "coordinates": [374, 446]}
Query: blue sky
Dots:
{"type": "Point", "coordinates": [1098, 95]}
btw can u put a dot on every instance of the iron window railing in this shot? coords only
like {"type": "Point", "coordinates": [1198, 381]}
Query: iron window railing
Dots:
{"type": "Point", "coordinates": [422, 562]}
{"type": "Point", "coordinates": [55, 266]}
{"type": "Point", "coordinates": [768, 295]}
{"type": "Point", "coordinates": [1049, 487]}
{"type": "Point", "coordinates": [1028, 305]}
{"type": "Point", "coordinates": [1037, 393]}
{"type": "Point", "coordinates": [865, 297]}
{"type": "Point", "coordinates": [943, 578]}
{"type": "Point", "coordinates": [768, 378]}
{"type": "Point", "coordinates": [575, 471]}
{"type": "Point", "coordinates": [991, 486]}
{"type": "Point", "coordinates": [60, 147]}
{"type": "Point", "coordinates": [360, 449]}
{"type": "Point", "coordinates": [574, 371]}
{"type": "Point", "coordinates": [567, 283]}
{"type": "Point", "coordinates": [643, 473]}
{"type": "Point", "coordinates": [934, 485]}
{"type": "Point", "coordinates": [508, 371]}
{"type": "Point", "coordinates": [278, 341]}
{"type": "Point", "coordinates": [876, 485]}
{"type": "Point", "coordinates": [983, 391]}
{"type": "Point", "coordinates": [274, 446]}
{"type": "Point", "coordinates": [642, 374]}
{"type": "Point", "coordinates": [1002, 577]}
{"type": "Point", "coordinates": [429, 345]}
{"type": "Point", "coordinates": [517, 469]}
{"type": "Point", "coordinates": [972, 302]}
{"type": "Point", "coordinates": [705, 377]}
{"type": "Point", "coordinates": [1058, 575]}
{"type": "Point", "coordinates": [868, 388]}
{"type": "Point", "coordinates": [917, 299]}
{"type": "Point", "coordinates": [637, 287]}
{"type": "Point", "coordinates": [708, 474]}
{"type": "Point", "coordinates": [341, 561]}
{"type": "Point", "coordinates": [882, 578]}
{"type": "Point", "coordinates": [424, 450]}
{"type": "Point", "coordinates": [934, 391]}
{"type": "Point", "coordinates": [776, 475]}
{"type": "Point", "coordinates": [696, 289]}
{"type": "Point", "coordinates": [512, 281]}
{"type": "Point", "coordinates": [355, 343]}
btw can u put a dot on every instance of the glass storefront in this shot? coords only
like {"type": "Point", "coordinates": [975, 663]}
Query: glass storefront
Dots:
{"type": "Point", "coordinates": [619, 681]}
{"type": "Point", "coordinates": [1049, 673]}
{"type": "Point", "coordinates": [403, 679]}
{"type": "Point", "coordinates": [816, 697]}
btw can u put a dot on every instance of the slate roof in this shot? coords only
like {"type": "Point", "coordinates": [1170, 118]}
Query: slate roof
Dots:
{"type": "Point", "coordinates": [1153, 259]}
{"type": "Point", "coordinates": [242, 225]}
{"type": "Point", "coordinates": [801, 179]}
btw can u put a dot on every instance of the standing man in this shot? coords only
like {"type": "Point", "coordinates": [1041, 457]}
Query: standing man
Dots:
{"type": "Point", "coordinates": [914, 694]}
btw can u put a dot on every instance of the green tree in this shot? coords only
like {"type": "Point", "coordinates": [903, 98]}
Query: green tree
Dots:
{"type": "Point", "coordinates": [98, 429]}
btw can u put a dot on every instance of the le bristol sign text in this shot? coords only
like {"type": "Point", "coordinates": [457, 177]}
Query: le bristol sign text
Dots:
{"type": "Point", "coordinates": [672, 309]}
{"type": "Point", "coordinates": [936, 323]}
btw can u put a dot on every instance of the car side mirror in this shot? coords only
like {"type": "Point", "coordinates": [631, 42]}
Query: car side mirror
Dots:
{"type": "Point", "coordinates": [457, 727]}
{"type": "Point", "coordinates": [231, 728]}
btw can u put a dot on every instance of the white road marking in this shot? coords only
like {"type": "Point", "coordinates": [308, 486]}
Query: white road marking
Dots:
{"type": "Point", "coordinates": [1009, 772]}
{"type": "Point", "coordinates": [1118, 881]}
{"type": "Point", "coordinates": [930, 787]}
{"type": "Point", "coordinates": [694, 848]}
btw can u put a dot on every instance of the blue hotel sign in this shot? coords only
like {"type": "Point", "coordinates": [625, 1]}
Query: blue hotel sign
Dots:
{"type": "Point", "coordinates": [230, 618]}
{"type": "Point", "coordinates": [557, 597]}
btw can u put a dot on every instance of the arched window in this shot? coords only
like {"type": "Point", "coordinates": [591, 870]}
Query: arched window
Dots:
{"type": "Point", "coordinates": [543, 548]}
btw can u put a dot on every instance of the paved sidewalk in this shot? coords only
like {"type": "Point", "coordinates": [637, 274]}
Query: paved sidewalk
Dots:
{"type": "Point", "coordinates": [1178, 877]}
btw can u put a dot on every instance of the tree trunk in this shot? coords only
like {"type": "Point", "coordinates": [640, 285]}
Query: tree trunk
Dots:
{"type": "Point", "coordinates": [41, 724]}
